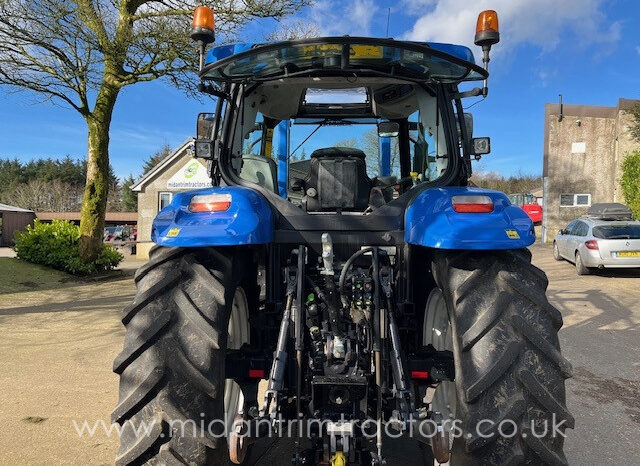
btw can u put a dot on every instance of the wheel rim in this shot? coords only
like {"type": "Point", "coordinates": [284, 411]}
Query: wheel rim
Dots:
{"type": "Point", "coordinates": [555, 250]}
{"type": "Point", "coordinates": [437, 332]}
{"type": "Point", "coordinates": [238, 334]}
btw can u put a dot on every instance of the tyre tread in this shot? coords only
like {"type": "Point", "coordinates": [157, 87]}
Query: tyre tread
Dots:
{"type": "Point", "coordinates": [174, 327]}
{"type": "Point", "coordinates": [508, 348]}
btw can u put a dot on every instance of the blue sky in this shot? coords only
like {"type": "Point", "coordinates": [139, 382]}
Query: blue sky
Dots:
{"type": "Point", "coordinates": [588, 50]}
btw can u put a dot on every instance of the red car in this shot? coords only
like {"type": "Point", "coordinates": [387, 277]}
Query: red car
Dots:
{"type": "Point", "coordinates": [529, 204]}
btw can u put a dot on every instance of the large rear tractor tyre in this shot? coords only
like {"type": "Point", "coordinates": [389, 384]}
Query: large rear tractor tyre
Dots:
{"type": "Point", "coordinates": [174, 399]}
{"type": "Point", "coordinates": [509, 373]}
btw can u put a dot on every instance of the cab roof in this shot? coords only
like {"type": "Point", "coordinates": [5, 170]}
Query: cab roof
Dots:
{"type": "Point", "coordinates": [332, 56]}
{"type": "Point", "coordinates": [225, 51]}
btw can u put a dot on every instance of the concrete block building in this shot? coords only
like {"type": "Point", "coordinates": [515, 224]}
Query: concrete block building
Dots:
{"type": "Point", "coordinates": [177, 172]}
{"type": "Point", "coordinates": [584, 147]}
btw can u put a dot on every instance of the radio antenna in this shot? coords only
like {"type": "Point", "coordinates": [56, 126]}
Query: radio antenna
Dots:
{"type": "Point", "coordinates": [388, 17]}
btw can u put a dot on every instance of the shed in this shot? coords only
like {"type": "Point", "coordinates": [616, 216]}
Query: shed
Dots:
{"type": "Point", "coordinates": [110, 218]}
{"type": "Point", "coordinates": [12, 220]}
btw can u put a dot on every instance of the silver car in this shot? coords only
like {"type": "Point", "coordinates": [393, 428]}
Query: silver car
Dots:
{"type": "Point", "coordinates": [591, 243]}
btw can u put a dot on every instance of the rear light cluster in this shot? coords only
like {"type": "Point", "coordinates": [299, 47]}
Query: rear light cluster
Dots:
{"type": "Point", "coordinates": [210, 203]}
{"type": "Point", "coordinates": [592, 244]}
{"type": "Point", "coordinates": [476, 204]}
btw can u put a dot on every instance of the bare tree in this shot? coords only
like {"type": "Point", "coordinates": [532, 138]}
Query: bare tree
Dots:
{"type": "Point", "coordinates": [291, 30]}
{"type": "Point", "coordinates": [81, 53]}
{"type": "Point", "coordinates": [46, 196]}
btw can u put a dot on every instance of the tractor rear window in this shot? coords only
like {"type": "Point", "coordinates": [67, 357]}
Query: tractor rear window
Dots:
{"type": "Point", "coordinates": [358, 95]}
{"type": "Point", "coordinates": [617, 232]}
{"type": "Point", "coordinates": [333, 145]}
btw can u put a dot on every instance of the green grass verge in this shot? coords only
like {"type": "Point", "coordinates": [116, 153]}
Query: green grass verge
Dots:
{"type": "Point", "coordinates": [17, 276]}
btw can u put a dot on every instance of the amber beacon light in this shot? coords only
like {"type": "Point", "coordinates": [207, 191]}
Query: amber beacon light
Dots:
{"type": "Point", "coordinates": [203, 29]}
{"type": "Point", "coordinates": [203, 25]}
{"type": "Point", "coordinates": [487, 34]}
{"type": "Point", "coordinates": [487, 31]}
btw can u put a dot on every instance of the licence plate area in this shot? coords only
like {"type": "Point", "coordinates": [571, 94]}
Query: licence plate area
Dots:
{"type": "Point", "coordinates": [626, 254]}
{"type": "Point", "coordinates": [355, 51]}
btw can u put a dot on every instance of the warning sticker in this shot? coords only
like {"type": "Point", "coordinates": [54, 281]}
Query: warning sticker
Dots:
{"type": "Point", "coordinates": [173, 233]}
{"type": "Point", "coordinates": [512, 234]}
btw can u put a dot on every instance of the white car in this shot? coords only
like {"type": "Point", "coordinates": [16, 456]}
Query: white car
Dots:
{"type": "Point", "coordinates": [589, 242]}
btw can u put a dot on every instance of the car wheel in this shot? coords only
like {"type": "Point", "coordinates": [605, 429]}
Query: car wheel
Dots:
{"type": "Point", "coordinates": [556, 252]}
{"type": "Point", "coordinates": [580, 268]}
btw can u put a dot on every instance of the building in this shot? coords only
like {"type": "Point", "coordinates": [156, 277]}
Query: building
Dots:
{"type": "Point", "coordinates": [111, 218]}
{"type": "Point", "coordinates": [584, 147]}
{"type": "Point", "coordinates": [12, 220]}
{"type": "Point", "coordinates": [177, 172]}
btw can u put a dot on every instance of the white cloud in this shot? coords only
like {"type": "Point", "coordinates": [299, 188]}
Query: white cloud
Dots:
{"type": "Point", "coordinates": [536, 22]}
{"type": "Point", "coordinates": [336, 18]}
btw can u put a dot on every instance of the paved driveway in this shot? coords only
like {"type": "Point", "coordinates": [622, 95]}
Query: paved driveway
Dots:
{"type": "Point", "coordinates": [57, 348]}
{"type": "Point", "coordinates": [601, 338]}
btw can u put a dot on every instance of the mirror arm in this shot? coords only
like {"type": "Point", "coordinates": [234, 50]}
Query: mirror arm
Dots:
{"type": "Point", "coordinates": [475, 92]}
{"type": "Point", "coordinates": [211, 90]}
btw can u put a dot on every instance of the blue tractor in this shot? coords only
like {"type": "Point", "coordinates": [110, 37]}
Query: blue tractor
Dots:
{"type": "Point", "coordinates": [340, 284]}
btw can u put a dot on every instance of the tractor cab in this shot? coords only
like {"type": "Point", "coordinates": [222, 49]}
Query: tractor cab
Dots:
{"type": "Point", "coordinates": [339, 125]}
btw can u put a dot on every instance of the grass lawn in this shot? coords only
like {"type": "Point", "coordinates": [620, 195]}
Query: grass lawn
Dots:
{"type": "Point", "coordinates": [17, 276]}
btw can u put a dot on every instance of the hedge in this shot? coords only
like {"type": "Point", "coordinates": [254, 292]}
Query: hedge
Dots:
{"type": "Point", "coordinates": [55, 245]}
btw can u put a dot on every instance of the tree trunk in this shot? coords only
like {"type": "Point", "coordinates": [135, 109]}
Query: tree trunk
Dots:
{"type": "Point", "coordinates": [94, 201]}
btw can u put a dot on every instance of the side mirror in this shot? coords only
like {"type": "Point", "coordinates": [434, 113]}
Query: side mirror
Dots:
{"type": "Point", "coordinates": [204, 128]}
{"type": "Point", "coordinates": [481, 146]}
{"type": "Point", "coordinates": [204, 146]}
{"type": "Point", "coordinates": [388, 129]}
{"type": "Point", "coordinates": [561, 231]}
{"type": "Point", "coordinates": [468, 123]}
{"type": "Point", "coordinates": [296, 184]}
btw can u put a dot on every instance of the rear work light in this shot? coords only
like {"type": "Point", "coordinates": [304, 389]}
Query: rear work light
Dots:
{"type": "Point", "coordinates": [210, 203]}
{"type": "Point", "coordinates": [592, 244]}
{"type": "Point", "coordinates": [476, 204]}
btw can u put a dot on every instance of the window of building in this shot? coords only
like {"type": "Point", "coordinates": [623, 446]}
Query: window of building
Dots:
{"type": "Point", "coordinates": [575, 200]}
{"type": "Point", "coordinates": [164, 199]}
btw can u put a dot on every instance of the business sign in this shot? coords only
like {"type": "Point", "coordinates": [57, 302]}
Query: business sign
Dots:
{"type": "Point", "coordinates": [578, 147]}
{"type": "Point", "coordinates": [192, 175]}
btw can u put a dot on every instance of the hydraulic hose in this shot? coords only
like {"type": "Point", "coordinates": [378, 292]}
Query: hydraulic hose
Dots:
{"type": "Point", "coordinates": [345, 270]}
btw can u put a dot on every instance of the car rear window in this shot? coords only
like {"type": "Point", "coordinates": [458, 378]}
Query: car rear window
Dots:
{"type": "Point", "coordinates": [617, 231]}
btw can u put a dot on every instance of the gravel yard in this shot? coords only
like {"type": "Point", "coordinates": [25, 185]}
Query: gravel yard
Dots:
{"type": "Point", "coordinates": [58, 345]}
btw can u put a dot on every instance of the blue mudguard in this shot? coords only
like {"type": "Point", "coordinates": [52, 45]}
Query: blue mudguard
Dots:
{"type": "Point", "coordinates": [431, 221]}
{"type": "Point", "coordinates": [249, 220]}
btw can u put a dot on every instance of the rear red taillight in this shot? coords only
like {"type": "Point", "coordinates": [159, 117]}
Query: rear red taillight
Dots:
{"type": "Point", "coordinates": [476, 204]}
{"type": "Point", "coordinates": [210, 203]}
{"type": "Point", "coordinates": [420, 375]}
{"type": "Point", "coordinates": [592, 244]}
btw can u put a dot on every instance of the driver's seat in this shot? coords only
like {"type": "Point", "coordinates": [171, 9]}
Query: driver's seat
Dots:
{"type": "Point", "coordinates": [260, 170]}
{"type": "Point", "coordinates": [337, 180]}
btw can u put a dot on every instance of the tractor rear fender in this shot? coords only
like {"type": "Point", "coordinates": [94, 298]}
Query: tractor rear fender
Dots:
{"type": "Point", "coordinates": [247, 220]}
{"type": "Point", "coordinates": [431, 221]}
